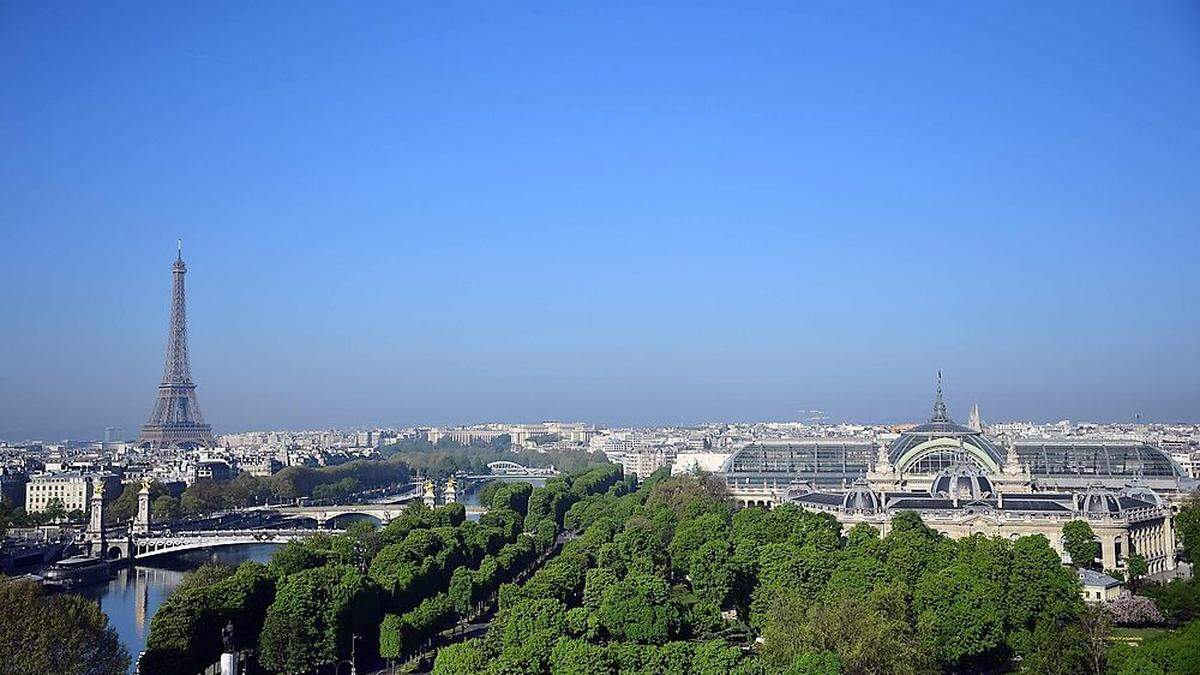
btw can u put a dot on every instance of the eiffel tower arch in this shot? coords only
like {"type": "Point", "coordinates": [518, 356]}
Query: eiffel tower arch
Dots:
{"type": "Point", "coordinates": [176, 421]}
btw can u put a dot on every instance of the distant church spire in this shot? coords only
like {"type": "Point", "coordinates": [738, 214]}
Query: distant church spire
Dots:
{"type": "Point", "coordinates": [939, 406]}
{"type": "Point", "coordinates": [976, 421]}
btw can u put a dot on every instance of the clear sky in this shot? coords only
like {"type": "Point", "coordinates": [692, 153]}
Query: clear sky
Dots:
{"type": "Point", "coordinates": [408, 213]}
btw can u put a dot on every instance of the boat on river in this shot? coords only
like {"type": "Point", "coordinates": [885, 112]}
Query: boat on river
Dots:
{"type": "Point", "coordinates": [71, 573]}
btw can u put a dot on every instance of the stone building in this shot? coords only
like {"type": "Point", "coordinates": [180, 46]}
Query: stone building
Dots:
{"type": "Point", "coordinates": [72, 488]}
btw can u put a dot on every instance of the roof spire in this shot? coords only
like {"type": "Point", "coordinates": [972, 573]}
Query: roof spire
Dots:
{"type": "Point", "coordinates": [179, 249]}
{"type": "Point", "coordinates": [976, 420]}
{"type": "Point", "coordinates": [939, 406]}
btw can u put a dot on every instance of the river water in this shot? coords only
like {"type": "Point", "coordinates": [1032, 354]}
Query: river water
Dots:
{"type": "Point", "coordinates": [131, 599]}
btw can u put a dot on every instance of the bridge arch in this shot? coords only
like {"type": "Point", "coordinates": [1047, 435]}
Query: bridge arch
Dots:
{"type": "Point", "coordinates": [348, 518]}
{"type": "Point", "coordinates": [507, 468]}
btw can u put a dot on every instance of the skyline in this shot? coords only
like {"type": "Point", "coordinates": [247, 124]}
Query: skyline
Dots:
{"type": "Point", "coordinates": [626, 216]}
{"type": "Point", "coordinates": [177, 370]}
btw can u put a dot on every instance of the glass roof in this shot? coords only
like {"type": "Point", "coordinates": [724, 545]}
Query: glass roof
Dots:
{"type": "Point", "coordinates": [804, 458]}
{"type": "Point", "coordinates": [1095, 458]}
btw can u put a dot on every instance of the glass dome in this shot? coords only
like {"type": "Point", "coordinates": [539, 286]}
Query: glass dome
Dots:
{"type": "Point", "coordinates": [964, 481]}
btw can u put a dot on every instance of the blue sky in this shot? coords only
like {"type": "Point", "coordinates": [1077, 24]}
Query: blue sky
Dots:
{"type": "Point", "coordinates": [669, 213]}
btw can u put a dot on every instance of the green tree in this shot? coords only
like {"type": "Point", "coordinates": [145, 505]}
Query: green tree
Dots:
{"type": "Point", "coordinates": [313, 616]}
{"type": "Point", "coordinates": [818, 663]}
{"type": "Point", "coordinates": [1041, 592]}
{"type": "Point", "coordinates": [760, 526]}
{"type": "Point", "coordinates": [295, 637]}
{"type": "Point", "coordinates": [205, 575]}
{"type": "Point", "coordinates": [577, 657]}
{"type": "Point", "coordinates": [63, 634]}
{"type": "Point", "coordinates": [294, 557]}
{"type": "Point", "coordinates": [786, 567]}
{"type": "Point", "coordinates": [912, 549]}
{"type": "Point", "coordinates": [512, 496]}
{"type": "Point", "coordinates": [1137, 567]}
{"type": "Point", "coordinates": [910, 521]}
{"type": "Point", "coordinates": [488, 491]}
{"type": "Point", "coordinates": [863, 537]}
{"type": "Point", "coordinates": [717, 657]}
{"type": "Point", "coordinates": [1179, 599]}
{"type": "Point", "coordinates": [691, 534]}
{"type": "Point", "coordinates": [1080, 543]}
{"type": "Point", "coordinates": [712, 573]}
{"type": "Point", "coordinates": [1057, 649]}
{"type": "Point", "coordinates": [55, 511]}
{"type": "Point", "coordinates": [638, 609]}
{"type": "Point", "coordinates": [522, 636]}
{"type": "Point", "coordinates": [185, 633]}
{"type": "Point", "coordinates": [124, 507]}
{"type": "Point", "coordinates": [637, 549]}
{"type": "Point", "coordinates": [960, 615]}
{"type": "Point", "coordinates": [247, 490]}
{"type": "Point", "coordinates": [462, 592]}
{"type": "Point", "coordinates": [1187, 527]}
{"type": "Point", "coordinates": [165, 509]}
{"type": "Point", "coordinates": [456, 659]}
{"type": "Point", "coordinates": [867, 634]}
{"type": "Point", "coordinates": [203, 496]}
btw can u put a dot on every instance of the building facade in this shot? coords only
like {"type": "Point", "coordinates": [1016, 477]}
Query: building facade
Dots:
{"type": "Point", "coordinates": [645, 460]}
{"type": "Point", "coordinates": [73, 489]}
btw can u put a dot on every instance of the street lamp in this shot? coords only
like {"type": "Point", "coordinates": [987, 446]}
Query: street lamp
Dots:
{"type": "Point", "coordinates": [353, 667]}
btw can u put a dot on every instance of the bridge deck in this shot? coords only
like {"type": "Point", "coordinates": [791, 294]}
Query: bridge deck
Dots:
{"type": "Point", "coordinates": [165, 543]}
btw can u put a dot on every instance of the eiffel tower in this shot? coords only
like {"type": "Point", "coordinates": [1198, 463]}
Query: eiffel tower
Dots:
{"type": "Point", "coordinates": [176, 421]}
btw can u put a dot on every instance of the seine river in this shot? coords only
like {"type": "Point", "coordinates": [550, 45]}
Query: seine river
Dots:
{"type": "Point", "coordinates": [131, 599]}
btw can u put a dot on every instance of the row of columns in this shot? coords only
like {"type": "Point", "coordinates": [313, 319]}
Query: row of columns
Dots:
{"type": "Point", "coordinates": [1153, 539]}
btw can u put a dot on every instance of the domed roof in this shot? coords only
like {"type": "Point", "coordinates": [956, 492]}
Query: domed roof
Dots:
{"type": "Point", "coordinates": [1098, 501]}
{"type": "Point", "coordinates": [941, 426]}
{"type": "Point", "coordinates": [861, 498]}
{"type": "Point", "coordinates": [1145, 494]}
{"type": "Point", "coordinates": [962, 481]}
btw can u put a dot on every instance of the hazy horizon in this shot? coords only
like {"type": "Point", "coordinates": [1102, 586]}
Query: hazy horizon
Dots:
{"type": "Point", "coordinates": [630, 216]}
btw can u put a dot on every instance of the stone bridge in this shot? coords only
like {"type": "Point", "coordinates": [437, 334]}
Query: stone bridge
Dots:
{"type": "Point", "coordinates": [328, 516]}
{"type": "Point", "coordinates": [140, 546]}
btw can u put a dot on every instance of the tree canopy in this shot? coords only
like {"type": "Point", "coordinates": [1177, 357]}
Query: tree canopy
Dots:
{"type": "Point", "coordinates": [63, 634]}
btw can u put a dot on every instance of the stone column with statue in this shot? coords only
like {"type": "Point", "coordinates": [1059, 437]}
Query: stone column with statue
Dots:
{"type": "Point", "coordinates": [95, 528]}
{"type": "Point", "coordinates": [430, 496]}
{"type": "Point", "coordinates": [141, 524]}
